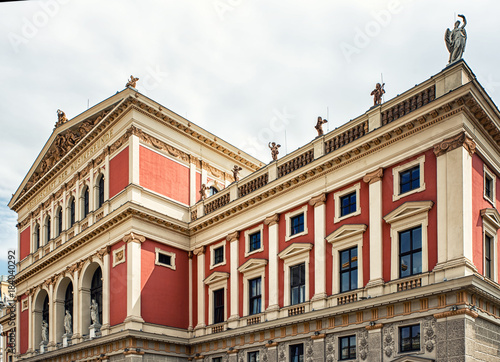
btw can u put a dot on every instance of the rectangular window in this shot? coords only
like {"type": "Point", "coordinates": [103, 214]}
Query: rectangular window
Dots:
{"type": "Point", "coordinates": [297, 224]}
{"type": "Point", "coordinates": [488, 186]}
{"type": "Point", "coordinates": [219, 255]}
{"type": "Point", "coordinates": [297, 284]}
{"type": "Point", "coordinates": [410, 252]}
{"type": "Point", "coordinates": [348, 204]}
{"type": "Point", "coordinates": [217, 359]}
{"type": "Point", "coordinates": [349, 269]}
{"type": "Point", "coordinates": [164, 259]}
{"type": "Point", "coordinates": [297, 353]}
{"type": "Point", "coordinates": [347, 348]}
{"type": "Point", "coordinates": [219, 306]}
{"type": "Point", "coordinates": [254, 241]}
{"type": "Point", "coordinates": [254, 287]}
{"type": "Point", "coordinates": [487, 256]}
{"type": "Point", "coordinates": [253, 356]}
{"type": "Point", "coordinates": [409, 180]}
{"type": "Point", "coordinates": [409, 338]}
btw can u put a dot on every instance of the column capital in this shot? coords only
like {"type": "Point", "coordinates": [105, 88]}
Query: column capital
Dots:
{"type": "Point", "coordinates": [460, 140]}
{"type": "Point", "coordinates": [271, 220]}
{"type": "Point", "coordinates": [318, 200]}
{"type": "Point", "coordinates": [374, 176]}
{"type": "Point", "coordinates": [199, 251]}
{"type": "Point", "coordinates": [102, 252]}
{"type": "Point", "coordinates": [136, 238]}
{"type": "Point", "coordinates": [233, 236]}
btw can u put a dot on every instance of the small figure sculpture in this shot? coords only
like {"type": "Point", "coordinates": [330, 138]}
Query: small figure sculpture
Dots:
{"type": "Point", "coordinates": [61, 118]}
{"type": "Point", "coordinates": [236, 170]}
{"type": "Point", "coordinates": [45, 332]}
{"type": "Point", "coordinates": [319, 125]}
{"type": "Point", "coordinates": [67, 324]}
{"type": "Point", "coordinates": [94, 313]}
{"type": "Point", "coordinates": [132, 82]}
{"type": "Point", "coordinates": [377, 94]}
{"type": "Point", "coordinates": [455, 40]}
{"type": "Point", "coordinates": [203, 191]}
{"type": "Point", "coordinates": [274, 150]}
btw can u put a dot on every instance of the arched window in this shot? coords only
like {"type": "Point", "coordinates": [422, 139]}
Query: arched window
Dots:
{"type": "Point", "coordinates": [100, 191]}
{"type": "Point", "coordinates": [47, 229]}
{"type": "Point", "coordinates": [96, 291]}
{"type": "Point", "coordinates": [212, 191]}
{"type": "Point", "coordinates": [45, 310]}
{"type": "Point", "coordinates": [85, 202]}
{"type": "Point", "coordinates": [72, 209]}
{"type": "Point", "coordinates": [68, 299]}
{"type": "Point", "coordinates": [36, 237]}
{"type": "Point", "coordinates": [59, 221]}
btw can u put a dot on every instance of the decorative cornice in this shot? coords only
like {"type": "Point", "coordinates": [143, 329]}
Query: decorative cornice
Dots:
{"type": "Point", "coordinates": [199, 251]}
{"type": "Point", "coordinates": [155, 142]}
{"type": "Point", "coordinates": [375, 326]}
{"type": "Point", "coordinates": [449, 144]}
{"type": "Point", "coordinates": [271, 220]}
{"type": "Point", "coordinates": [318, 200]}
{"type": "Point", "coordinates": [374, 176]}
{"type": "Point", "coordinates": [452, 313]}
{"type": "Point", "coordinates": [233, 236]}
{"type": "Point", "coordinates": [135, 238]}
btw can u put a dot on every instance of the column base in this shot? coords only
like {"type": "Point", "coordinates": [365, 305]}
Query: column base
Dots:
{"type": "Point", "coordinates": [272, 312]}
{"type": "Point", "coordinates": [375, 287]}
{"type": "Point", "coordinates": [133, 322]}
{"type": "Point", "coordinates": [233, 321]}
{"type": "Point", "coordinates": [453, 269]}
{"type": "Point", "coordinates": [319, 301]}
{"type": "Point", "coordinates": [199, 330]}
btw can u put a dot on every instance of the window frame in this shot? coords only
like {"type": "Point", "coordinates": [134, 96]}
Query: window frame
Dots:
{"type": "Point", "coordinates": [172, 256]}
{"type": "Point", "coordinates": [400, 339]}
{"type": "Point", "coordinates": [222, 306]}
{"type": "Point", "coordinates": [296, 253]}
{"type": "Point", "coordinates": [47, 232]}
{"type": "Point", "coordinates": [349, 270]}
{"type": "Point", "coordinates": [397, 170]}
{"type": "Point", "coordinates": [337, 196]}
{"type": "Point", "coordinates": [288, 223]}
{"type": "Point", "coordinates": [216, 281]}
{"type": "Point", "coordinates": [492, 176]}
{"type": "Point", "coordinates": [36, 237]}
{"type": "Point", "coordinates": [339, 342]}
{"type": "Point", "coordinates": [491, 224]}
{"type": "Point", "coordinates": [100, 196]}
{"type": "Point", "coordinates": [290, 346]}
{"type": "Point", "coordinates": [256, 353]}
{"type": "Point", "coordinates": [85, 197]}
{"type": "Point", "coordinates": [213, 247]}
{"type": "Point", "coordinates": [251, 298]}
{"type": "Point", "coordinates": [59, 224]}
{"type": "Point", "coordinates": [251, 269]}
{"type": "Point", "coordinates": [411, 252]}
{"type": "Point", "coordinates": [303, 284]}
{"type": "Point", "coordinates": [248, 234]}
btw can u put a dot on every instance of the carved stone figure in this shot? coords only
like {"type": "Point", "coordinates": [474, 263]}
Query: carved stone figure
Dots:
{"type": "Point", "coordinates": [45, 332]}
{"type": "Point", "coordinates": [68, 328]}
{"type": "Point", "coordinates": [94, 313]}
{"type": "Point", "coordinates": [132, 82]}
{"type": "Point", "coordinates": [61, 118]}
{"type": "Point", "coordinates": [455, 40]}
{"type": "Point", "coordinates": [236, 170]}
{"type": "Point", "coordinates": [377, 93]}
{"type": "Point", "coordinates": [274, 150]}
{"type": "Point", "coordinates": [319, 125]}
{"type": "Point", "coordinates": [203, 191]}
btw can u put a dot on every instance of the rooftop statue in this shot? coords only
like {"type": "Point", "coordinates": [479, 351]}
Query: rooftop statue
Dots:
{"type": "Point", "coordinates": [455, 40]}
{"type": "Point", "coordinates": [274, 150]}
{"type": "Point", "coordinates": [319, 126]}
{"type": "Point", "coordinates": [377, 94]}
{"type": "Point", "coordinates": [61, 118]}
{"type": "Point", "coordinates": [132, 82]}
{"type": "Point", "coordinates": [236, 170]}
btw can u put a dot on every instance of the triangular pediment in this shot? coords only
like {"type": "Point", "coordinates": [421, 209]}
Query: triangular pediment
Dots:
{"type": "Point", "coordinates": [295, 249]}
{"type": "Point", "coordinates": [412, 359]}
{"type": "Point", "coordinates": [346, 231]}
{"type": "Point", "coordinates": [252, 264]}
{"type": "Point", "coordinates": [216, 277]}
{"type": "Point", "coordinates": [408, 209]}
{"type": "Point", "coordinates": [492, 216]}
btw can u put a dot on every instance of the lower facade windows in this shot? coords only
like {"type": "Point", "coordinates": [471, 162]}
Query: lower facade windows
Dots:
{"type": "Point", "coordinates": [219, 306]}
{"type": "Point", "coordinates": [348, 269]}
{"type": "Point", "coordinates": [253, 356]}
{"type": "Point", "coordinates": [410, 252]}
{"type": "Point", "coordinates": [217, 359]}
{"type": "Point", "coordinates": [298, 284]}
{"type": "Point", "coordinates": [297, 353]}
{"type": "Point", "coordinates": [409, 338]}
{"type": "Point", "coordinates": [347, 348]}
{"type": "Point", "coordinates": [255, 294]}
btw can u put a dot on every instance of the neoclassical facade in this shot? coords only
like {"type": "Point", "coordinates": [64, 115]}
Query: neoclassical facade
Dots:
{"type": "Point", "coordinates": [377, 241]}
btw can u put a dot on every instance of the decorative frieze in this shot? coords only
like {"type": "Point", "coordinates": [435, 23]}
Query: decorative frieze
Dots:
{"type": "Point", "coordinates": [318, 200]}
{"type": "Point", "coordinates": [233, 236]}
{"type": "Point", "coordinates": [133, 237]}
{"type": "Point", "coordinates": [271, 220]}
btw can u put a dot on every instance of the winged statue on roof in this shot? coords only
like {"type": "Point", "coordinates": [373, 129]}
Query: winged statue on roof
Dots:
{"type": "Point", "coordinates": [455, 40]}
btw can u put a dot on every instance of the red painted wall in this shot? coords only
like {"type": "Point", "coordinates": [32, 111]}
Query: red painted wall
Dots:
{"type": "Point", "coordinates": [24, 243]}
{"type": "Point", "coordinates": [118, 290]}
{"type": "Point", "coordinates": [308, 238]}
{"type": "Point", "coordinates": [160, 174]}
{"type": "Point", "coordinates": [479, 203]}
{"type": "Point", "coordinates": [264, 254]}
{"type": "Point", "coordinates": [118, 173]}
{"type": "Point", "coordinates": [164, 286]}
{"type": "Point", "coordinates": [23, 329]}
{"type": "Point", "coordinates": [224, 269]}
{"type": "Point", "coordinates": [195, 291]}
{"type": "Point", "coordinates": [198, 186]}
{"type": "Point", "coordinates": [363, 218]}
{"type": "Point", "coordinates": [388, 205]}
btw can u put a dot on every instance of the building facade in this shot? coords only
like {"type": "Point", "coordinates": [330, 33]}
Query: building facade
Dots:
{"type": "Point", "coordinates": [375, 242]}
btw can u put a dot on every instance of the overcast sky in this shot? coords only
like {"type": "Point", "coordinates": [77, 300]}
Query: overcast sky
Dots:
{"type": "Point", "coordinates": [245, 70]}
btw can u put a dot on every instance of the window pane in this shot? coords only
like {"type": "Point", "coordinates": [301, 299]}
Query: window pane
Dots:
{"type": "Point", "coordinates": [354, 279]}
{"type": "Point", "coordinates": [417, 263]}
{"type": "Point", "coordinates": [344, 260]}
{"type": "Point", "coordinates": [344, 282]}
{"type": "Point", "coordinates": [405, 243]}
{"type": "Point", "coordinates": [354, 257]}
{"type": "Point", "coordinates": [405, 266]}
{"type": "Point", "coordinates": [417, 238]}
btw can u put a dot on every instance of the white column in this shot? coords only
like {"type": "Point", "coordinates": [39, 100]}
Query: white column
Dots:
{"type": "Point", "coordinates": [105, 292]}
{"type": "Point", "coordinates": [52, 317]}
{"type": "Point", "coordinates": [442, 207]}
{"type": "Point", "coordinates": [374, 180]}
{"type": "Point", "coordinates": [200, 259]}
{"type": "Point", "coordinates": [273, 309]}
{"type": "Point", "coordinates": [134, 319]}
{"type": "Point", "coordinates": [234, 317]}
{"type": "Point", "coordinates": [91, 189]}
{"type": "Point", "coordinates": [106, 182]}
{"type": "Point", "coordinates": [134, 194]}
{"type": "Point", "coordinates": [319, 298]}
{"type": "Point", "coordinates": [77, 318]}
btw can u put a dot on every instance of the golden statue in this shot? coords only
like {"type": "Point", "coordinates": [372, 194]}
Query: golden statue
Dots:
{"type": "Point", "coordinates": [132, 82]}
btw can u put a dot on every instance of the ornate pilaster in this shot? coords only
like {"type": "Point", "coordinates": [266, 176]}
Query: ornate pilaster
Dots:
{"type": "Point", "coordinates": [234, 317]}
{"type": "Point", "coordinates": [200, 258]}
{"type": "Point", "coordinates": [272, 222]}
{"type": "Point", "coordinates": [460, 140]}
{"type": "Point", "coordinates": [134, 242]}
{"type": "Point", "coordinates": [319, 298]}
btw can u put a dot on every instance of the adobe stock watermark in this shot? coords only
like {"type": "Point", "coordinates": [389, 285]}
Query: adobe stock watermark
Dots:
{"type": "Point", "coordinates": [222, 7]}
{"type": "Point", "coordinates": [363, 36]}
{"type": "Point", "coordinates": [491, 84]}
{"type": "Point", "coordinates": [277, 124]}
{"type": "Point", "coordinates": [151, 79]}
{"type": "Point", "coordinates": [32, 25]}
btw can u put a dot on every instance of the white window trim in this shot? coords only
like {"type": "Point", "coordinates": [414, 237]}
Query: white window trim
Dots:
{"type": "Point", "coordinates": [253, 268]}
{"type": "Point", "coordinates": [115, 253]}
{"type": "Point", "coordinates": [486, 171]}
{"type": "Point", "coordinates": [216, 281]}
{"type": "Point", "coordinates": [491, 224]}
{"type": "Point", "coordinates": [295, 254]}
{"type": "Point", "coordinates": [346, 237]}
{"type": "Point", "coordinates": [258, 229]}
{"type": "Point", "coordinates": [288, 218]}
{"type": "Point", "coordinates": [159, 251]}
{"type": "Point", "coordinates": [405, 217]}
{"type": "Point", "coordinates": [398, 339]}
{"type": "Point", "coordinates": [212, 254]}
{"type": "Point", "coordinates": [395, 176]}
{"type": "Point", "coordinates": [338, 195]}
